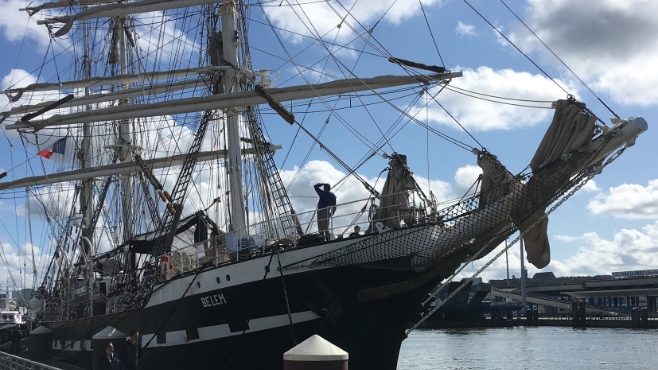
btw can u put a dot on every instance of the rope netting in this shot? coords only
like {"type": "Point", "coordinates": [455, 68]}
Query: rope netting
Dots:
{"type": "Point", "coordinates": [471, 224]}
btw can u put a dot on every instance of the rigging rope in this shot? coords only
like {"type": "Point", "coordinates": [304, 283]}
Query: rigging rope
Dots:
{"type": "Point", "coordinates": [584, 179]}
{"type": "Point", "coordinates": [178, 301]}
{"type": "Point", "coordinates": [388, 54]}
{"type": "Point", "coordinates": [251, 311]}
{"type": "Point", "coordinates": [516, 47]}
{"type": "Point", "coordinates": [558, 58]}
{"type": "Point", "coordinates": [285, 295]}
{"type": "Point", "coordinates": [465, 92]}
{"type": "Point", "coordinates": [422, 8]}
{"type": "Point", "coordinates": [29, 225]}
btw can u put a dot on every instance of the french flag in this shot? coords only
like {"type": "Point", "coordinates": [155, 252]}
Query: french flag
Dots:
{"type": "Point", "coordinates": [58, 147]}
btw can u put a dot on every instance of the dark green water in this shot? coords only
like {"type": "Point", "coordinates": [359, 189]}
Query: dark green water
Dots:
{"type": "Point", "coordinates": [530, 348]}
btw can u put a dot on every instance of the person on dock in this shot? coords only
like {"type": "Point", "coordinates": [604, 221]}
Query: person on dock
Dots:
{"type": "Point", "coordinates": [15, 340]}
{"type": "Point", "coordinates": [326, 208]}
{"type": "Point", "coordinates": [109, 360]}
{"type": "Point", "coordinates": [131, 351]}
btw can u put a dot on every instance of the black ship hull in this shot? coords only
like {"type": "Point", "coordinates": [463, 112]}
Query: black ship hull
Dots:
{"type": "Point", "coordinates": [246, 325]}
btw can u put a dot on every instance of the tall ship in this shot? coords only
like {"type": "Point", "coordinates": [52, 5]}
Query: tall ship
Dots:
{"type": "Point", "coordinates": [171, 216]}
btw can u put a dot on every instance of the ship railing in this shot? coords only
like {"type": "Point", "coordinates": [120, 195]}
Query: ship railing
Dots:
{"type": "Point", "coordinates": [257, 238]}
{"type": "Point", "coordinates": [12, 362]}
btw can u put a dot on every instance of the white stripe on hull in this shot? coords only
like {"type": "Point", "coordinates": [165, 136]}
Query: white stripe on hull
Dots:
{"type": "Point", "coordinates": [176, 338]}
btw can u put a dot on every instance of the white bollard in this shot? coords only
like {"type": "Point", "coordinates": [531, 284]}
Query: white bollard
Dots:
{"type": "Point", "coordinates": [315, 353]}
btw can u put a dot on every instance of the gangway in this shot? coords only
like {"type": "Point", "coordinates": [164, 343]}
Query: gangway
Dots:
{"type": "Point", "coordinates": [552, 302]}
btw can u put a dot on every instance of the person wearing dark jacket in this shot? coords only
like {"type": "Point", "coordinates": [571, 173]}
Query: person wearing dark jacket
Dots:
{"type": "Point", "coordinates": [109, 360]}
{"type": "Point", "coordinates": [131, 352]}
{"type": "Point", "coordinates": [15, 340]}
{"type": "Point", "coordinates": [326, 207]}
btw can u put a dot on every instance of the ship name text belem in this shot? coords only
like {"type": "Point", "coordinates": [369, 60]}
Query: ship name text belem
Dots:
{"type": "Point", "coordinates": [213, 300]}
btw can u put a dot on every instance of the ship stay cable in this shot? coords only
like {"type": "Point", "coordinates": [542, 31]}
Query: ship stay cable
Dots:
{"type": "Point", "coordinates": [409, 71]}
{"type": "Point", "coordinates": [558, 58]}
{"type": "Point", "coordinates": [5, 261]}
{"type": "Point", "coordinates": [422, 8]}
{"type": "Point", "coordinates": [451, 88]}
{"type": "Point", "coordinates": [251, 311]}
{"type": "Point", "coordinates": [332, 111]}
{"type": "Point", "coordinates": [580, 182]}
{"type": "Point", "coordinates": [178, 301]}
{"type": "Point", "coordinates": [385, 52]}
{"type": "Point", "coordinates": [285, 295]}
{"type": "Point", "coordinates": [516, 47]}
{"type": "Point", "coordinates": [29, 225]}
{"type": "Point", "coordinates": [467, 92]}
{"type": "Point", "coordinates": [321, 99]}
{"type": "Point", "coordinates": [340, 63]}
{"type": "Point", "coordinates": [330, 54]}
{"type": "Point", "coordinates": [319, 39]}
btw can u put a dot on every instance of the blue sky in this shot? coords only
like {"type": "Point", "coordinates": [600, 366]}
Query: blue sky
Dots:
{"type": "Point", "coordinates": [611, 225]}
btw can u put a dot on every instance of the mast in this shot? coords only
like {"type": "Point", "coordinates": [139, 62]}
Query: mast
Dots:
{"type": "Point", "coordinates": [84, 155]}
{"type": "Point", "coordinates": [230, 80]}
{"type": "Point", "coordinates": [124, 137]}
{"type": "Point", "coordinates": [523, 274]}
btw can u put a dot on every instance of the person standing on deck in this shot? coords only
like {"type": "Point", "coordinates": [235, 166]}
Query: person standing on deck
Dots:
{"type": "Point", "coordinates": [131, 351]}
{"type": "Point", "coordinates": [356, 232]}
{"type": "Point", "coordinates": [326, 208]}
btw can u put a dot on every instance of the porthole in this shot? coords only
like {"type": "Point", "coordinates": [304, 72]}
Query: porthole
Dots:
{"type": "Point", "coordinates": [228, 277]}
{"type": "Point", "coordinates": [198, 284]}
{"type": "Point", "coordinates": [218, 280]}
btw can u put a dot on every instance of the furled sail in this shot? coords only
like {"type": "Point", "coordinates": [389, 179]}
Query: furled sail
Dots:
{"type": "Point", "coordinates": [555, 161]}
{"type": "Point", "coordinates": [394, 199]}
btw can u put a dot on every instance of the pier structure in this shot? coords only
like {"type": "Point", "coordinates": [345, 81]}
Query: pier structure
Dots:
{"type": "Point", "coordinates": [550, 305]}
{"type": "Point", "coordinates": [601, 294]}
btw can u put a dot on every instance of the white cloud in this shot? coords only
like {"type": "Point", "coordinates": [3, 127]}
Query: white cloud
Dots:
{"type": "Point", "coordinates": [630, 201]}
{"type": "Point", "coordinates": [465, 178]}
{"type": "Point", "coordinates": [13, 261]}
{"type": "Point", "coordinates": [500, 39]}
{"type": "Point", "coordinates": [304, 197]}
{"type": "Point", "coordinates": [611, 44]}
{"type": "Point", "coordinates": [481, 115]}
{"type": "Point", "coordinates": [17, 78]}
{"type": "Point", "coordinates": [627, 250]}
{"type": "Point", "coordinates": [319, 19]}
{"type": "Point", "coordinates": [464, 29]}
{"type": "Point", "coordinates": [165, 42]}
{"type": "Point", "coordinates": [16, 25]}
{"type": "Point", "coordinates": [590, 187]}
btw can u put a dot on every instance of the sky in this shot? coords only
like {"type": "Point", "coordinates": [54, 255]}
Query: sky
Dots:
{"type": "Point", "coordinates": [610, 45]}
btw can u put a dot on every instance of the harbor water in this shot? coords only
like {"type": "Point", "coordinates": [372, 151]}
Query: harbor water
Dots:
{"type": "Point", "coordinates": [530, 348]}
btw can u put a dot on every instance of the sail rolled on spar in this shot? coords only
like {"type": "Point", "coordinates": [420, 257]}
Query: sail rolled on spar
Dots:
{"type": "Point", "coordinates": [118, 169]}
{"type": "Point", "coordinates": [113, 10]}
{"type": "Point", "coordinates": [232, 100]}
{"type": "Point", "coordinates": [568, 147]}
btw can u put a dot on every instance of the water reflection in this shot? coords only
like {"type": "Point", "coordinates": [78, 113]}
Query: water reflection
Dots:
{"type": "Point", "coordinates": [529, 348]}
